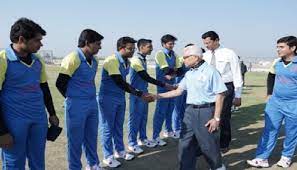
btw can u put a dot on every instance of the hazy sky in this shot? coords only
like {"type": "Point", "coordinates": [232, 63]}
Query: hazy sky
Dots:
{"type": "Point", "coordinates": [250, 27]}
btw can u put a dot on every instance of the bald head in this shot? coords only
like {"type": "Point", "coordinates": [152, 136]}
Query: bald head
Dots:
{"type": "Point", "coordinates": [193, 50]}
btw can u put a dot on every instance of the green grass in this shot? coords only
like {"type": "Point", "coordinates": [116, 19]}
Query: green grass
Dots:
{"type": "Point", "coordinates": [246, 128]}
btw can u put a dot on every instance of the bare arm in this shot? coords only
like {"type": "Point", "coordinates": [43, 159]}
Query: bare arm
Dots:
{"type": "Point", "coordinates": [170, 94]}
{"type": "Point", "coordinates": [213, 124]}
{"type": "Point", "coordinates": [219, 104]}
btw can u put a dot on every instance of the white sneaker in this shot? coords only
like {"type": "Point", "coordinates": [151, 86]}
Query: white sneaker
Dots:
{"type": "Point", "coordinates": [258, 163]}
{"type": "Point", "coordinates": [135, 149]}
{"type": "Point", "coordinates": [167, 134]}
{"type": "Point", "coordinates": [147, 143]}
{"type": "Point", "coordinates": [111, 162]}
{"type": "Point", "coordinates": [160, 142]}
{"type": "Point", "coordinates": [176, 134]}
{"type": "Point", "coordinates": [284, 162]}
{"type": "Point", "coordinates": [125, 155]}
{"type": "Point", "coordinates": [95, 167]}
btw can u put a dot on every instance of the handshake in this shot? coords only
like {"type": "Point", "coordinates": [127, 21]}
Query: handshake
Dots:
{"type": "Point", "coordinates": [149, 97]}
{"type": "Point", "coordinates": [170, 87]}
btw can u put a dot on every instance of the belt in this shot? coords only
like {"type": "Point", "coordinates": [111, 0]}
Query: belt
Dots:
{"type": "Point", "coordinates": [229, 83]}
{"type": "Point", "coordinates": [206, 105]}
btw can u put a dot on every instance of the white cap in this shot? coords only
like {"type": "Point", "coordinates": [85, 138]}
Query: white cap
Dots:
{"type": "Point", "coordinates": [193, 50]}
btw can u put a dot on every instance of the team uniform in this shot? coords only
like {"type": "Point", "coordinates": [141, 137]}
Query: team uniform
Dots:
{"type": "Point", "coordinates": [139, 79]}
{"type": "Point", "coordinates": [280, 107]}
{"type": "Point", "coordinates": [164, 107]}
{"type": "Point", "coordinates": [23, 110]}
{"type": "Point", "coordinates": [179, 105]}
{"type": "Point", "coordinates": [81, 108]}
{"type": "Point", "coordinates": [112, 106]}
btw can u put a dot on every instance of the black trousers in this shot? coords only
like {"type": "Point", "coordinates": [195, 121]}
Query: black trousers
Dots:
{"type": "Point", "coordinates": [196, 138]}
{"type": "Point", "coordinates": [225, 136]}
{"type": "Point", "coordinates": [243, 79]}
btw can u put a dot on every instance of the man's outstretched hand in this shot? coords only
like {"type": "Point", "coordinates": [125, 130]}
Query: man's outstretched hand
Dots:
{"type": "Point", "coordinates": [148, 97]}
{"type": "Point", "coordinates": [170, 87]}
{"type": "Point", "coordinates": [170, 77]}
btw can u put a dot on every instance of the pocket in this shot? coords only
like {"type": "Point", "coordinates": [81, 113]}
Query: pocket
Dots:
{"type": "Point", "coordinates": [221, 66]}
{"type": "Point", "coordinates": [291, 107]}
{"type": "Point", "coordinates": [67, 103]}
{"type": "Point", "coordinates": [69, 108]}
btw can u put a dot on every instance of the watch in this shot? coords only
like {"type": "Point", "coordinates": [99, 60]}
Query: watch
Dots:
{"type": "Point", "coordinates": [216, 118]}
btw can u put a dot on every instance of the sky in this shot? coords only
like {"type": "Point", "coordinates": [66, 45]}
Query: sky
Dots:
{"type": "Point", "coordinates": [249, 27]}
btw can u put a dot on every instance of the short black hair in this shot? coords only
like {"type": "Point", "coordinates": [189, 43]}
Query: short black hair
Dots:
{"type": "Point", "coordinates": [167, 38]}
{"type": "Point", "coordinates": [123, 41]}
{"type": "Point", "coordinates": [90, 36]}
{"type": "Point", "coordinates": [189, 45]}
{"type": "Point", "coordinates": [211, 34]}
{"type": "Point", "coordinates": [142, 42]}
{"type": "Point", "coordinates": [26, 28]}
{"type": "Point", "coordinates": [291, 41]}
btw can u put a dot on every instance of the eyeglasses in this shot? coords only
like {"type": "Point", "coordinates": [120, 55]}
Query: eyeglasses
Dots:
{"type": "Point", "coordinates": [185, 57]}
{"type": "Point", "coordinates": [130, 49]}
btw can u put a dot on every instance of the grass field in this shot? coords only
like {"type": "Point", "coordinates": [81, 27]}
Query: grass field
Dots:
{"type": "Point", "coordinates": [247, 126]}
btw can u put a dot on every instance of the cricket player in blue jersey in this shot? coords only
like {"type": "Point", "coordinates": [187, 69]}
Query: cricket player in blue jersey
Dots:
{"type": "Point", "coordinates": [139, 78]}
{"type": "Point", "coordinates": [76, 82]}
{"type": "Point", "coordinates": [281, 106]}
{"type": "Point", "coordinates": [112, 102]}
{"type": "Point", "coordinates": [167, 68]}
{"type": "Point", "coordinates": [24, 95]}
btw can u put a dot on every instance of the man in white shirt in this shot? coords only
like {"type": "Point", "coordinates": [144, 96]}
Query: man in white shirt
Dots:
{"type": "Point", "coordinates": [226, 62]}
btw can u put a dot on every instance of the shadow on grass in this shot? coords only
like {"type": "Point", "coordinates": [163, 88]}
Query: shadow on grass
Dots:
{"type": "Point", "coordinates": [246, 136]}
{"type": "Point", "coordinates": [153, 158]}
{"type": "Point", "coordinates": [245, 92]}
{"type": "Point", "coordinates": [248, 86]}
{"type": "Point", "coordinates": [246, 131]}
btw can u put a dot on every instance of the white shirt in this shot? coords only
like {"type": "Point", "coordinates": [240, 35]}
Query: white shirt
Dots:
{"type": "Point", "coordinates": [227, 63]}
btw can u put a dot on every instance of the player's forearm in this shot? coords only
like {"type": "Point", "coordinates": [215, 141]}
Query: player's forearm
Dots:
{"type": "Point", "coordinates": [145, 76]}
{"type": "Point", "coordinates": [270, 83]}
{"type": "Point", "coordinates": [3, 128]}
{"type": "Point", "coordinates": [62, 82]}
{"type": "Point", "coordinates": [122, 84]}
{"type": "Point", "coordinates": [47, 97]}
